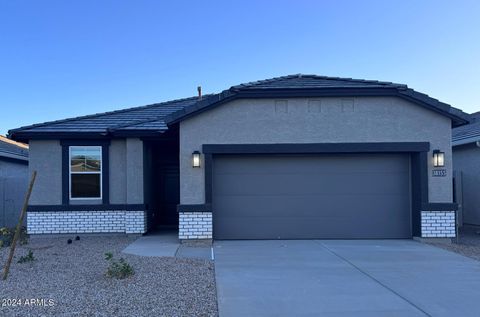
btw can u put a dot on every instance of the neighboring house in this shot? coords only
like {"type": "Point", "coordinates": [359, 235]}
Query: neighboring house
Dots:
{"type": "Point", "coordinates": [466, 163]}
{"type": "Point", "coordinates": [294, 157]}
{"type": "Point", "coordinates": [13, 180]}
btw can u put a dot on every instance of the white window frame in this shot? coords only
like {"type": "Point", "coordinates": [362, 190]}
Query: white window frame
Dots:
{"type": "Point", "coordinates": [70, 172]}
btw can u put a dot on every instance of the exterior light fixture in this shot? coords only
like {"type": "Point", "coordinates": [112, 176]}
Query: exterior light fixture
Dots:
{"type": "Point", "coordinates": [196, 159]}
{"type": "Point", "coordinates": [438, 158]}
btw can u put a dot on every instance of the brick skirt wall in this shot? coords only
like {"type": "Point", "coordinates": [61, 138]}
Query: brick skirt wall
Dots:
{"type": "Point", "coordinates": [195, 225]}
{"type": "Point", "coordinates": [438, 224]}
{"type": "Point", "coordinates": [109, 221]}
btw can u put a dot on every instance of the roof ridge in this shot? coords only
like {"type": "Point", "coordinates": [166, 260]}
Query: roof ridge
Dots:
{"type": "Point", "coordinates": [262, 81]}
{"type": "Point", "coordinates": [399, 90]}
{"type": "Point", "coordinates": [168, 112]}
{"type": "Point", "coordinates": [313, 76]}
{"type": "Point", "coordinates": [99, 114]}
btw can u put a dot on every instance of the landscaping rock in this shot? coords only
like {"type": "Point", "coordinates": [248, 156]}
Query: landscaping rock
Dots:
{"type": "Point", "coordinates": [72, 277]}
{"type": "Point", "coordinates": [467, 244]}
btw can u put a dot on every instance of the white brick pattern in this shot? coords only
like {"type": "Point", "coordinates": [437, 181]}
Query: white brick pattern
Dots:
{"type": "Point", "coordinates": [195, 225]}
{"type": "Point", "coordinates": [49, 222]}
{"type": "Point", "coordinates": [135, 221]}
{"type": "Point", "coordinates": [438, 224]}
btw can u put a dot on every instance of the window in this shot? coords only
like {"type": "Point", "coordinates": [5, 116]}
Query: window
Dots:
{"type": "Point", "coordinates": [85, 172]}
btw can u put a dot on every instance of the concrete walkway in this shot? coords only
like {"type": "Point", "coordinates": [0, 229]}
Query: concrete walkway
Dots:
{"type": "Point", "coordinates": [166, 243]}
{"type": "Point", "coordinates": [156, 244]}
{"type": "Point", "coordinates": [344, 278]}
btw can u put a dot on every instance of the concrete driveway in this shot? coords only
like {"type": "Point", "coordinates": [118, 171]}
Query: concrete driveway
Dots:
{"type": "Point", "coordinates": [344, 278]}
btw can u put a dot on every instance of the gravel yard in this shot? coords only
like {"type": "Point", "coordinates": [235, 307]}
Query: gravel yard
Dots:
{"type": "Point", "coordinates": [73, 276]}
{"type": "Point", "coordinates": [468, 243]}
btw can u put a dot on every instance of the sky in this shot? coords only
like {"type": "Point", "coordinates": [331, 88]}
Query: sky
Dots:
{"type": "Point", "coordinates": [60, 59]}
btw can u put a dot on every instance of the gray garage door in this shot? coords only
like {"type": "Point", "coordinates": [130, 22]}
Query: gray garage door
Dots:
{"type": "Point", "coordinates": [305, 197]}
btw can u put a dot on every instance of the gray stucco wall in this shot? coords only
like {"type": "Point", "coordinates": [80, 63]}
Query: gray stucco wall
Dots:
{"type": "Point", "coordinates": [118, 180]}
{"type": "Point", "coordinates": [322, 120]}
{"type": "Point", "coordinates": [13, 185]}
{"type": "Point", "coordinates": [466, 159]}
{"type": "Point", "coordinates": [12, 169]}
{"type": "Point", "coordinates": [46, 158]}
{"type": "Point", "coordinates": [134, 171]}
{"type": "Point", "coordinates": [125, 174]}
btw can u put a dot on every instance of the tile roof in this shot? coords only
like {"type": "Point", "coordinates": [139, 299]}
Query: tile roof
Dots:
{"type": "Point", "coordinates": [467, 133]}
{"type": "Point", "coordinates": [12, 149]}
{"type": "Point", "coordinates": [151, 116]}
{"type": "Point", "coordinates": [302, 81]}
{"type": "Point", "coordinates": [155, 118]}
{"type": "Point", "coordinates": [314, 85]}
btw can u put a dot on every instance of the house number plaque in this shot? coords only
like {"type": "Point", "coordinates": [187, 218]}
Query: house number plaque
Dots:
{"type": "Point", "coordinates": [439, 173]}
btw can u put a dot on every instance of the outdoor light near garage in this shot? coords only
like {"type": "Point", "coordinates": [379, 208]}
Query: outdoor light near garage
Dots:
{"type": "Point", "coordinates": [196, 159]}
{"type": "Point", "coordinates": [438, 158]}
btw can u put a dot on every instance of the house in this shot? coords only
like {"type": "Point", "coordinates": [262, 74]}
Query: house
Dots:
{"type": "Point", "coordinates": [293, 157]}
{"type": "Point", "coordinates": [13, 180]}
{"type": "Point", "coordinates": [466, 163]}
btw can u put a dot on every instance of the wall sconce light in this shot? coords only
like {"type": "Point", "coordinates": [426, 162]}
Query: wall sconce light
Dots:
{"type": "Point", "coordinates": [196, 159]}
{"type": "Point", "coordinates": [438, 158]}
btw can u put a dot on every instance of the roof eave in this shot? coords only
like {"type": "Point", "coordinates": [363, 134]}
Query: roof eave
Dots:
{"type": "Point", "coordinates": [14, 160]}
{"type": "Point", "coordinates": [13, 156]}
{"type": "Point", "coordinates": [466, 141]}
{"type": "Point", "coordinates": [138, 133]}
{"type": "Point", "coordinates": [434, 105]}
{"type": "Point", "coordinates": [25, 136]}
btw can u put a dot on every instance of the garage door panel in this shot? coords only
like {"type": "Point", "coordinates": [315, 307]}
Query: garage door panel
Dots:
{"type": "Point", "coordinates": [313, 184]}
{"type": "Point", "coordinates": [301, 164]}
{"type": "Point", "coordinates": [277, 206]}
{"type": "Point", "coordinates": [299, 197]}
{"type": "Point", "coordinates": [301, 228]}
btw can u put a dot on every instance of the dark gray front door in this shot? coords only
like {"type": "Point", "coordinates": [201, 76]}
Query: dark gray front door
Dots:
{"type": "Point", "coordinates": [350, 196]}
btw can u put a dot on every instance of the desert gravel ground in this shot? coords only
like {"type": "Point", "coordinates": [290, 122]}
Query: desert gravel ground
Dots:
{"type": "Point", "coordinates": [468, 243]}
{"type": "Point", "coordinates": [73, 276]}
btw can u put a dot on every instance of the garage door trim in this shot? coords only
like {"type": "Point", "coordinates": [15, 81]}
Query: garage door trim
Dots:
{"type": "Point", "coordinates": [307, 148]}
{"type": "Point", "coordinates": [418, 151]}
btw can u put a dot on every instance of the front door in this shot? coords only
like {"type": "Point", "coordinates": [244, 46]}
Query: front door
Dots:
{"type": "Point", "coordinates": [168, 193]}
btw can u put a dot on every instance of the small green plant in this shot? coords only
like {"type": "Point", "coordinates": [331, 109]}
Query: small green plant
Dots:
{"type": "Point", "coordinates": [23, 238]}
{"type": "Point", "coordinates": [27, 258]}
{"type": "Point", "coordinates": [6, 236]}
{"type": "Point", "coordinates": [118, 269]}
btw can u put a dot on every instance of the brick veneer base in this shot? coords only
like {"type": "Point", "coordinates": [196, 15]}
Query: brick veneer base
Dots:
{"type": "Point", "coordinates": [109, 221]}
{"type": "Point", "coordinates": [195, 225]}
{"type": "Point", "coordinates": [438, 224]}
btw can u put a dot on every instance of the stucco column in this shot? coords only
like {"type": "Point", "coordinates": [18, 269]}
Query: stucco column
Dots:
{"type": "Point", "coordinates": [134, 170]}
